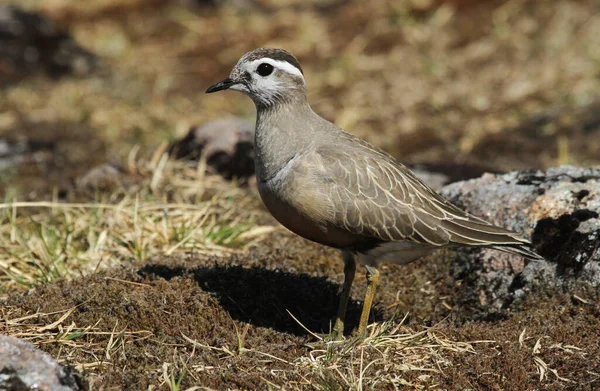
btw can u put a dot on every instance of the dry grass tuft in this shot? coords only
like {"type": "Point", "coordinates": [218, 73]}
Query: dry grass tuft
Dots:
{"type": "Point", "coordinates": [174, 209]}
{"type": "Point", "coordinates": [391, 355]}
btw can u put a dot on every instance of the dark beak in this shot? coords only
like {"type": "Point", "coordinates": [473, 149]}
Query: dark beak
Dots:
{"type": "Point", "coordinates": [222, 85]}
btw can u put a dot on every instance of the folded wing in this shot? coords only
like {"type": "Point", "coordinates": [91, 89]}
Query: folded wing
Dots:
{"type": "Point", "coordinates": [373, 195]}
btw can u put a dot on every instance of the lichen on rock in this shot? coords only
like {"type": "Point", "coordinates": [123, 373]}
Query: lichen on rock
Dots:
{"type": "Point", "coordinates": [557, 208]}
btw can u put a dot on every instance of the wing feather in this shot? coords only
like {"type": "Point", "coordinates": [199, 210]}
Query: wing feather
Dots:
{"type": "Point", "coordinates": [375, 196]}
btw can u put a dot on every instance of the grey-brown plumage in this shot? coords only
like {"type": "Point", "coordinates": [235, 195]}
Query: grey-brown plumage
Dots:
{"type": "Point", "coordinates": [338, 190]}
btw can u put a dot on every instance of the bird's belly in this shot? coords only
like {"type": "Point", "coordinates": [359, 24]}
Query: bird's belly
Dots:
{"type": "Point", "coordinates": [295, 221]}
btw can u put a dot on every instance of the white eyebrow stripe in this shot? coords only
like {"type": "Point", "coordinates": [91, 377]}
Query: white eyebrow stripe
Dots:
{"type": "Point", "coordinates": [283, 65]}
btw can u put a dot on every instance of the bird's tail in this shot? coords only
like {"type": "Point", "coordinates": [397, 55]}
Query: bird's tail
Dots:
{"type": "Point", "coordinates": [477, 232]}
{"type": "Point", "coordinates": [523, 250]}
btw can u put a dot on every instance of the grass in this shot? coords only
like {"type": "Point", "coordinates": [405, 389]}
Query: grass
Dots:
{"type": "Point", "coordinates": [380, 359]}
{"type": "Point", "coordinates": [46, 241]}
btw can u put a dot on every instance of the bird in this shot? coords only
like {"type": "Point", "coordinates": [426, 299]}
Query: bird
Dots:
{"type": "Point", "coordinates": [336, 189]}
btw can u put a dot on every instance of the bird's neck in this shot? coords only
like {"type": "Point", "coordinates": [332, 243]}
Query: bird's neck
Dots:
{"type": "Point", "coordinates": [282, 131]}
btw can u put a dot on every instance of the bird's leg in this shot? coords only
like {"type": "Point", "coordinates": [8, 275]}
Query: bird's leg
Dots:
{"type": "Point", "coordinates": [372, 281]}
{"type": "Point", "coordinates": [349, 271]}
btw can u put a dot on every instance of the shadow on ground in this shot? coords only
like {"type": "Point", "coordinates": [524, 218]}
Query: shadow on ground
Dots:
{"type": "Point", "coordinates": [269, 298]}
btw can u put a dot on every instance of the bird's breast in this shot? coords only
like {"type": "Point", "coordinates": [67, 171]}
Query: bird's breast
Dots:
{"type": "Point", "coordinates": [288, 207]}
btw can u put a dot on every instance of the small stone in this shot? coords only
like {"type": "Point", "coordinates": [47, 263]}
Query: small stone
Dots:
{"type": "Point", "coordinates": [227, 144]}
{"type": "Point", "coordinates": [439, 175]}
{"type": "Point", "coordinates": [435, 180]}
{"type": "Point", "coordinates": [106, 177]}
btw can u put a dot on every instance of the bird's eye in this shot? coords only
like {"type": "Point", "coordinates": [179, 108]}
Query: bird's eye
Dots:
{"type": "Point", "coordinates": [264, 69]}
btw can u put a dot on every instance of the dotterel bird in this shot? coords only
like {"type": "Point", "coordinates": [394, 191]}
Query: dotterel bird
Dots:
{"type": "Point", "coordinates": [336, 189]}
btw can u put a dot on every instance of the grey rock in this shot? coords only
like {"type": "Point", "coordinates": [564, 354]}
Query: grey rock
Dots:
{"type": "Point", "coordinates": [227, 144]}
{"type": "Point", "coordinates": [558, 209]}
{"type": "Point", "coordinates": [103, 177]}
{"type": "Point", "coordinates": [435, 180]}
{"type": "Point", "coordinates": [11, 153]}
{"type": "Point", "coordinates": [24, 367]}
{"type": "Point", "coordinates": [17, 151]}
{"type": "Point", "coordinates": [437, 175]}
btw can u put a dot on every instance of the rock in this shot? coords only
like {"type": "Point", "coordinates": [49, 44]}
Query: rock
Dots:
{"type": "Point", "coordinates": [228, 145]}
{"type": "Point", "coordinates": [11, 153]}
{"type": "Point", "coordinates": [106, 177]}
{"type": "Point", "coordinates": [18, 151]}
{"type": "Point", "coordinates": [24, 367]}
{"type": "Point", "coordinates": [30, 42]}
{"type": "Point", "coordinates": [438, 175]}
{"type": "Point", "coordinates": [435, 180]}
{"type": "Point", "coordinates": [558, 209]}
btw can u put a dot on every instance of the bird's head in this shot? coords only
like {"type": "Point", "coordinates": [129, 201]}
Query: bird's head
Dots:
{"type": "Point", "coordinates": [268, 76]}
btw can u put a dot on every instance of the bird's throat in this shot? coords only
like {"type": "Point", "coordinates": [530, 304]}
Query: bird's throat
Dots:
{"type": "Point", "coordinates": [281, 133]}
